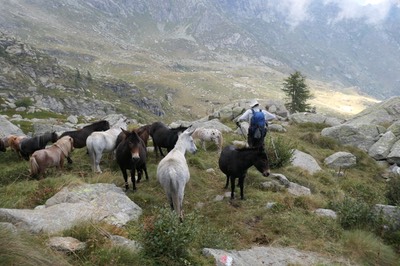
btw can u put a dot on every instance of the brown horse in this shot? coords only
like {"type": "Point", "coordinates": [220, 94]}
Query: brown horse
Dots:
{"type": "Point", "coordinates": [51, 157]}
{"type": "Point", "coordinates": [14, 143]}
{"type": "Point", "coordinates": [144, 133]}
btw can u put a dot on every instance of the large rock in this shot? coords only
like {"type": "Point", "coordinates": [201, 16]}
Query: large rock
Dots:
{"type": "Point", "coordinates": [88, 202]}
{"type": "Point", "coordinates": [361, 136]}
{"type": "Point", "coordinates": [394, 155]}
{"type": "Point", "coordinates": [341, 160]}
{"type": "Point", "coordinates": [385, 112]}
{"type": "Point", "coordinates": [8, 128]}
{"type": "Point", "coordinates": [305, 161]}
{"type": "Point", "coordinates": [260, 256]}
{"type": "Point", "coordinates": [305, 117]}
{"type": "Point", "coordinates": [381, 149]}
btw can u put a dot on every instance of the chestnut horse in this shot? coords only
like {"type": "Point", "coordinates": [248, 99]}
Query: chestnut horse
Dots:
{"type": "Point", "coordinates": [13, 143]}
{"type": "Point", "coordinates": [52, 156]}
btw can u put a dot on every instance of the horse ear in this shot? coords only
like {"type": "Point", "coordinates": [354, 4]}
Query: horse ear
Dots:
{"type": "Point", "coordinates": [125, 131]}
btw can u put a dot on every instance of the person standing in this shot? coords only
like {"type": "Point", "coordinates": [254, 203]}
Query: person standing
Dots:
{"type": "Point", "coordinates": [258, 123]}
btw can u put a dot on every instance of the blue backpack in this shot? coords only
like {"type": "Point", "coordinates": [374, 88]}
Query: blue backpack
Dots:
{"type": "Point", "coordinates": [257, 123]}
{"type": "Point", "coordinates": [258, 119]}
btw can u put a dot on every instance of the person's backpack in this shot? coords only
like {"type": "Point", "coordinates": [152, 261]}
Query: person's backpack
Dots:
{"type": "Point", "coordinates": [257, 122]}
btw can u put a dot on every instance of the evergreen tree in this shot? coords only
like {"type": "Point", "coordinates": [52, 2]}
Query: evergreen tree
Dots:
{"type": "Point", "coordinates": [297, 93]}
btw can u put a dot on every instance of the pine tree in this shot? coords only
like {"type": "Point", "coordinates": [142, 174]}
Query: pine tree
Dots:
{"type": "Point", "coordinates": [297, 93]}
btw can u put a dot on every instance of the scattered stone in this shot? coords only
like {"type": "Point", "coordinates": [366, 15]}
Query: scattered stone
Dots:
{"type": "Point", "coordinates": [66, 244]}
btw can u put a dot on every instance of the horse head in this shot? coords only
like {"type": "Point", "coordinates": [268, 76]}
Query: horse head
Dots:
{"type": "Point", "coordinates": [134, 141]}
{"type": "Point", "coordinates": [262, 163]}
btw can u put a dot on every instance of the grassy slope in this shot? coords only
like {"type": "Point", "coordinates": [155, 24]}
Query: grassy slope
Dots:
{"type": "Point", "coordinates": [238, 225]}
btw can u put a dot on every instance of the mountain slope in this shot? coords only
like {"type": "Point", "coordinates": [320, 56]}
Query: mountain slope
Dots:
{"type": "Point", "coordinates": [193, 46]}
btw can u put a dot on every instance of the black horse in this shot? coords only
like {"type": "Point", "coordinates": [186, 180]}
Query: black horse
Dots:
{"type": "Point", "coordinates": [2, 145]}
{"type": "Point", "coordinates": [29, 145]}
{"type": "Point", "coordinates": [164, 137]}
{"type": "Point", "coordinates": [234, 163]}
{"type": "Point", "coordinates": [82, 134]}
{"type": "Point", "coordinates": [131, 154]}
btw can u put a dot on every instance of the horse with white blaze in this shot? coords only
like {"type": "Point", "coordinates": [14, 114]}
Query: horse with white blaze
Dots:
{"type": "Point", "coordinates": [173, 171]}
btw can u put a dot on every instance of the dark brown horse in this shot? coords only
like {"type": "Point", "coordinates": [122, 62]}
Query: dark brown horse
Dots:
{"type": "Point", "coordinates": [164, 137]}
{"type": "Point", "coordinates": [82, 134]}
{"type": "Point", "coordinates": [30, 145]}
{"type": "Point", "coordinates": [234, 163]}
{"type": "Point", "coordinates": [2, 145]}
{"type": "Point", "coordinates": [131, 154]}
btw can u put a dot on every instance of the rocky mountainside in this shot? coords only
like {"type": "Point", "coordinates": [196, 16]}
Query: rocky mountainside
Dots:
{"type": "Point", "coordinates": [178, 35]}
{"type": "Point", "coordinates": [31, 76]}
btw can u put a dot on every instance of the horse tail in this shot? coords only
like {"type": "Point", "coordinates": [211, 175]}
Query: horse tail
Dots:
{"type": "Point", "coordinates": [174, 186]}
{"type": "Point", "coordinates": [34, 166]}
{"type": "Point", "coordinates": [220, 141]}
{"type": "Point", "coordinates": [92, 152]}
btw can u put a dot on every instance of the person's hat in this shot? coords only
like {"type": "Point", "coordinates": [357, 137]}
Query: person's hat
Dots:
{"type": "Point", "coordinates": [253, 103]}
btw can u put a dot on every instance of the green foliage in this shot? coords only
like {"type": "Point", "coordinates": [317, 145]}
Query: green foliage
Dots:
{"type": "Point", "coordinates": [367, 249]}
{"type": "Point", "coordinates": [163, 235]}
{"type": "Point", "coordinates": [320, 141]}
{"type": "Point", "coordinates": [297, 93]}
{"type": "Point", "coordinates": [280, 151]}
{"type": "Point", "coordinates": [393, 190]}
{"type": "Point", "coordinates": [354, 214]}
{"type": "Point", "coordinates": [23, 102]}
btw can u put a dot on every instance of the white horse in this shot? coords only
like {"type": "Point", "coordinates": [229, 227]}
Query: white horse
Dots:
{"type": "Point", "coordinates": [173, 171]}
{"type": "Point", "coordinates": [209, 134]}
{"type": "Point", "coordinates": [99, 142]}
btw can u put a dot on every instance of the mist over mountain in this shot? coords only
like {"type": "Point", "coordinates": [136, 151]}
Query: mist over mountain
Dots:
{"type": "Point", "coordinates": [317, 38]}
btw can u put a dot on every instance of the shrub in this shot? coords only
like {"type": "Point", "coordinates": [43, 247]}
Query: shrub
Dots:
{"type": "Point", "coordinates": [23, 102]}
{"type": "Point", "coordinates": [354, 214]}
{"type": "Point", "coordinates": [163, 235]}
{"type": "Point", "coordinates": [393, 191]}
{"type": "Point", "coordinates": [280, 151]}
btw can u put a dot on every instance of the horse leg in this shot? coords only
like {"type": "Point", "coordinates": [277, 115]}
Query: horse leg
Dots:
{"type": "Point", "coordinates": [133, 178]}
{"type": "Point", "coordinates": [125, 175]}
{"type": "Point", "coordinates": [227, 182]}
{"type": "Point", "coordinates": [162, 154]}
{"type": "Point", "coordinates": [145, 172]}
{"type": "Point", "coordinates": [69, 160]}
{"type": "Point", "coordinates": [203, 144]}
{"type": "Point", "coordinates": [241, 185]}
{"type": "Point", "coordinates": [232, 187]}
{"type": "Point", "coordinates": [97, 159]}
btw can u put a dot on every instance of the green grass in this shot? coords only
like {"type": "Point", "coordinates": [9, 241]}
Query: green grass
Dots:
{"type": "Point", "coordinates": [224, 224]}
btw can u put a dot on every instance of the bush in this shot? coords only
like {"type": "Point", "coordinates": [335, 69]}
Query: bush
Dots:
{"type": "Point", "coordinates": [280, 151]}
{"type": "Point", "coordinates": [354, 214]}
{"type": "Point", "coordinates": [163, 235]}
{"type": "Point", "coordinates": [24, 102]}
{"type": "Point", "coordinates": [393, 191]}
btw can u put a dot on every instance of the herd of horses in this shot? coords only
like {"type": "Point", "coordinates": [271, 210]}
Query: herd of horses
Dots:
{"type": "Point", "coordinates": [130, 151]}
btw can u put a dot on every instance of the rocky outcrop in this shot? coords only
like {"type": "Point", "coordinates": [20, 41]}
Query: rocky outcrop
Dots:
{"type": "Point", "coordinates": [87, 202]}
{"type": "Point", "coordinates": [385, 112]}
{"type": "Point", "coordinates": [306, 117]}
{"type": "Point", "coordinates": [362, 136]}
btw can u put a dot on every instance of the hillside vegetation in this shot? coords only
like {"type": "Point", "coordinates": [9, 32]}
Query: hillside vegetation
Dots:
{"type": "Point", "coordinates": [355, 236]}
